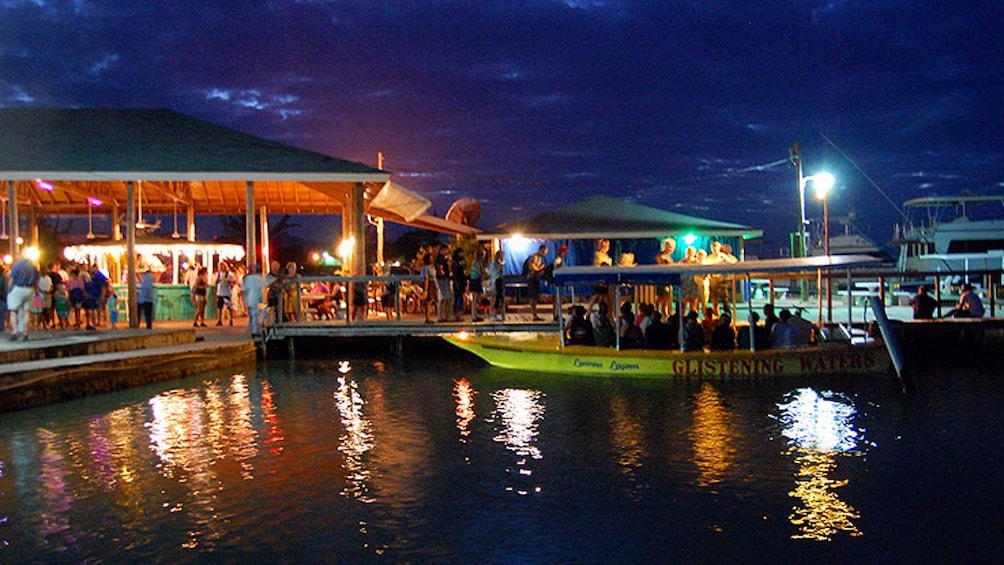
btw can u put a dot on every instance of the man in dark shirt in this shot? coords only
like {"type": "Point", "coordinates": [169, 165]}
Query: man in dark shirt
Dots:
{"type": "Point", "coordinates": [923, 305]}
{"type": "Point", "coordinates": [723, 337]}
{"type": "Point", "coordinates": [658, 335]}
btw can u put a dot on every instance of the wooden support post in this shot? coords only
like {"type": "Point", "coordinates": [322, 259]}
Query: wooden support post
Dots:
{"type": "Point", "coordinates": [250, 242]}
{"type": "Point", "coordinates": [131, 254]}
{"type": "Point", "coordinates": [14, 224]}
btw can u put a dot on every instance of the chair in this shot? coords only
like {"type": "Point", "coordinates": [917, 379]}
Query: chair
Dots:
{"type": "Point", "coordinates": [164, 303]}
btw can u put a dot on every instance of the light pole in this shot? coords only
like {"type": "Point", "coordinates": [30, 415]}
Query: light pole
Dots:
{"type": "Point", "coordinates": [823, 182]}
{"type": "Point", "coordinates": [795, 155]}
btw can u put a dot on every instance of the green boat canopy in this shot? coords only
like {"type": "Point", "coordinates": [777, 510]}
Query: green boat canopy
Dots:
{"type": "Point", "coordinates": [607, 217]}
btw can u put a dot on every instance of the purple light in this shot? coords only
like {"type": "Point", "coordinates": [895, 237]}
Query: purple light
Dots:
{"type": "Point", "coordinates": [44, 185]}
{"type": "Point", "coordinates": [94, 201]}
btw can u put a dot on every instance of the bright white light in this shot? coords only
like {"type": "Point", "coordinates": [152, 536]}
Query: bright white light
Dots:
{"type": "Point", "coordinates": [345, 247]}
{"type": "Point", "coordinates": [518, 245]}
{"type": "Point", "coordinates": [31, 253]}
{"type": "Point", "coordinates": [822, 182]}
{"type": "Point", "coordinates": [820, 422]}
{"type": "Point", "coordinates": [689, 239]}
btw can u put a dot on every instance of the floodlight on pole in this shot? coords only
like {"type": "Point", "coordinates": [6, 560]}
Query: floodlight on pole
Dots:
{"type": "Point", "coordinates": [823, 183]}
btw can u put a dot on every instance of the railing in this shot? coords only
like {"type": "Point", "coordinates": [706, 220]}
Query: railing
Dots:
{"type": "Point", "coordinates": [344, 292]}
{"type": "Point", "coordinates": [859, 284]}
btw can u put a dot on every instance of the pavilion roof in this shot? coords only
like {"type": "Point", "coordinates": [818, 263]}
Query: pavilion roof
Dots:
{"type": "Point", "coordinates": [179, 160]}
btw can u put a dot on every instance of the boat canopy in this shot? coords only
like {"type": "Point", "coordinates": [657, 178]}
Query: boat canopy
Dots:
{"type": "Point", "coordinates": [613, 218]}
{"type": "Point", "coordinates": [674, 273]}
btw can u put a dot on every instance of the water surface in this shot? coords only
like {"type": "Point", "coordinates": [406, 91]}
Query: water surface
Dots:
{"type": "Point", "coordinates": [446, 460]}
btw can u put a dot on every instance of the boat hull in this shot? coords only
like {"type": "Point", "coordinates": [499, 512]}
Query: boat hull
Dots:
{"type": "Point", "coordinates": [544, 354]}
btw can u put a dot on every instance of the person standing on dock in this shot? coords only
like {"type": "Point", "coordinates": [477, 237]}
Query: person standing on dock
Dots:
{"type": "Point", "coordinates": [4, 290]}
{"type": "Point", "coordinates": [558, 263]}
{"type": "Point", "coordinates": [24, 281]}
{"type": "Point", "coordinates": [146, 296]}
{"type": "Point", "coordinates": [200, 293]}
{"type": "Point", "coordinates": [224, 287]}
{"type": "Point", "coordinates": [458, 270]}
{"type": "Point", "coordinates": [496, 278]}
{"type": "Point", "coordinates": [443, 287]}
{"type": "Point", "coordinates": [95, 297]}
{"type": "Point", "coordinates": [535, 273]}
{"type": "Point", "coordinates": [479, 272]}
{"type": "Point", "coordinates": [252, 286]}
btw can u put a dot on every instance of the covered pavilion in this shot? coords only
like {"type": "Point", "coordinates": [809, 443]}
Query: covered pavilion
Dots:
{"type": "Point", "coordinates": [133, 162]}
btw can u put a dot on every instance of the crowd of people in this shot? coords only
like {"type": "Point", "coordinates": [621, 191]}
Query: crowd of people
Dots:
{"type": "Point", "coordinates": [649, 329]}
{"type": "Point", "coordinates": [78, 296]}
{"type": "Point", "coordinates": [708, 323]}
{"type": "Point", "coordinates": [456, 283]}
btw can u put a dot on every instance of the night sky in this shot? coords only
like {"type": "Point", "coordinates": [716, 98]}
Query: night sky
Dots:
{"type": "Point", "coordinates": [530, 105]}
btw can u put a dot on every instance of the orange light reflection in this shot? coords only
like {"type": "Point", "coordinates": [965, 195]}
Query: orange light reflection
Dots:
{"type": "Point", "coordinates": [712, 437]}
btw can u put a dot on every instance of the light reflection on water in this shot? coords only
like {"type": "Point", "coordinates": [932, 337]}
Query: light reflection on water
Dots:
{"type": "Point", "coordinates": [516, 419]}
{"type": "Point", "coordinates": [820, 429]}
{"type": "Point", "coordinates": [360, 461]}
{"type": "Point", "coordinates": [464, 393]}
{"type": "Point", "coordinates": [357, 438]}
{"type": "Point", "coordinates": [713, 436]}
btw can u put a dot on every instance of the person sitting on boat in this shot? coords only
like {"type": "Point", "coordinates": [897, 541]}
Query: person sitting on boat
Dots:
{"type": "Point", "coordinates": [603, 327]}
{"type": "Point", "coordinates": [658, 335]}
{"type": "Point", "coordinates": [578, 330]}
{"type": "Point", "coordinates": [969, 306]}
{"type": "Point", "coordinates": [674, 330]}
{"type": "Point", "coordinates": [693, 334]}
{"type": "Point", "coordinates": [723, 337]}
{"type": "Point", "coordinates": [709, 322]}
{"type": "Point", "coordinates": [923, 305]}
{"type": "Point", "coordinates": [769, 318]}
{"type": "Point", "coordinates": [759, 334]}
{"type": "Point", "coordinates": [644, 318]}
{"type": "Point", "coordinates": [783, 333]}
{"type": "Point", "coordinates": [630, 334]}
{"type": "Point", "coordinates": [804, 329]}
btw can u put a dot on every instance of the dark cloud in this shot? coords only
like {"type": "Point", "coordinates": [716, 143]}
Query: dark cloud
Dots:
{"type": "Point", "coordinates": [533, 104]}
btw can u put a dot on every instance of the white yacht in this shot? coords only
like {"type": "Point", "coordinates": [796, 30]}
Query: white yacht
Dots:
{"type": "Point", "coordinates": [951, 233]}
{"type": "Point", "coordinates": [852, 241]}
